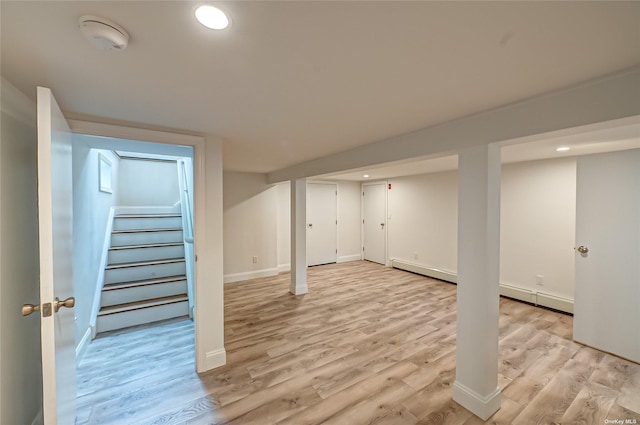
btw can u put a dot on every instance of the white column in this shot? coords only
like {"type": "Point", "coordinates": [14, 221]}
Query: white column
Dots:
{"type": "Point", "coordinates": [476, 386]}
{"type": "Point", "coordinates": [298, 285]}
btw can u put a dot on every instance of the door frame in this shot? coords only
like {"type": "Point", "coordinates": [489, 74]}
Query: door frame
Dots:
{"type": "Point", "coordinates": [198, 144]}
{"type": "Point", "coordinates": [386, 218]}
{"type": "Point", "coordinates": [337, 209]}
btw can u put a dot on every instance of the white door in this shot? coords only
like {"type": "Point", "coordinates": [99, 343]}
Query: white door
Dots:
{"type": "Point", "coordinates": [607, 289]}
{"type": "Point", "coordinates": [374, 235]}
{"type": "Point", "coordinates": [322, 224]}
{"type": "Point", "coordinates": [56, 271]}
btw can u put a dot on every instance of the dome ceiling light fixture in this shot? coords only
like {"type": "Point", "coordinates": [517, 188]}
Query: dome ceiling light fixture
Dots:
{"type": "Point", "coordinates": [212, 17]}
{"type": "Point", "coordinates": [102, 33]}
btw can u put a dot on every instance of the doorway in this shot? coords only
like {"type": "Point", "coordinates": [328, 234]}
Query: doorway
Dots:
{"type": "Point", "coordinates": [374, 222]}
{"type": "Point", "coordinates": [322, 223]}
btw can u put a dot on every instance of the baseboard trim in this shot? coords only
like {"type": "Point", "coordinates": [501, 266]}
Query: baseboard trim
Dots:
{"type": "Point", "coordinates": [299, 290]}
{"type": "Point", "coordinates": [424, 270]}
{"type": "Point", "coordinates": [348, 258]}
{"type": "Point", "coordinates": [215, 359]}
{"type": "Point", "coordinates": [507, 290]}
{"type": "Point", "coordinates": [237, 277]}
{"type": "Point", "coordinates": [283, 268]}
{"type": "Point", "coordinates": [482, 407]}
{"type": "Point", "coordinates": [82, 346]}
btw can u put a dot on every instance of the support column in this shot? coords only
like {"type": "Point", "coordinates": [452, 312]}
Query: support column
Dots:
{"type": "Point", "coordinates": [298, 285]}
{"type": "Point", "coordinates": [476, 385]}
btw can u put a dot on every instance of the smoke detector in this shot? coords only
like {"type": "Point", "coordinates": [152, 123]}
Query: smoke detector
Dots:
{"type": "Point", "coordinates": [103, 34]}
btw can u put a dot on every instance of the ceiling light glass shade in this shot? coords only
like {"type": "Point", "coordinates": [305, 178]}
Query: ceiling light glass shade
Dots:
{"type": "Point", "coordinates": [366, 176]}
{"type": "Point", "coordinates": [562, 149]}
{"type": "Point", "coordinates": [212, 17]}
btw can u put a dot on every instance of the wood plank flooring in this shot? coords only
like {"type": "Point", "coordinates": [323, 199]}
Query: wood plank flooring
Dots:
{"type": "Point", "coordinates": [367, 345]}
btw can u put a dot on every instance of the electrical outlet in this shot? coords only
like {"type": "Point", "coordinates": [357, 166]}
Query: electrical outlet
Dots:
{"type": "Point", "coordinates": [539, 280]}
{"type": "Point", "coordinates": [415, 255]}
{"type": "Point", "coordinates": [255, 259]}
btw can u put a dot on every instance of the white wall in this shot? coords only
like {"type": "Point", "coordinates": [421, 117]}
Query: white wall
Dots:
{"type": "Point", "coordinates": [538, 220]}
{"type": "Point", "coordinates": [257, 222]}
{"type": "Point", "coordinates": [91, 209]}
{"type": "Point", "coordinates": [537, 223]}
{"type": "Point", "coordinates": [349, 243]}
{"type": "Point", "coordinates": [250, 226]}
{"type": "Point", "coordinates": [20, 367]}
{"type": "Point", "coordinates": [147, 183]}
{"type": "Point", "coordinates": [423, 224]}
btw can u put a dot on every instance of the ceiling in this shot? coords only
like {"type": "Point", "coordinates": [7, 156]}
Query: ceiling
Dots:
{"type": "Point", "coordinates": [293, 81]}
{"type": "Point", "coordinates": [609, 139]}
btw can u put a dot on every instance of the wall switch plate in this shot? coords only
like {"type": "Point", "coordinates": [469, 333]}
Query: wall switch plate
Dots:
{"type": "Point", "coordinates": [255, 259]}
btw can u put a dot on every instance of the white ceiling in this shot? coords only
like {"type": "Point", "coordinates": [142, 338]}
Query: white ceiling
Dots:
{"type": "Point", "coordinates": [609, 139]}
{"type": "Point", "coordinates": [293, 81]}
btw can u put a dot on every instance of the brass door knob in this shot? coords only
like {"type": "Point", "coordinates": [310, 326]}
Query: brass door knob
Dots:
{"type": "Point", "coordinates": [68, 303]}
{"type": "Point", "coordinates": [582, 249]}
{"type": "Point", "coordinates": [27, 309]}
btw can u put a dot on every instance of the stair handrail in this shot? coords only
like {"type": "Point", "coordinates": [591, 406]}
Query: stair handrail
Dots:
{"type": "Point", "coordinates": [187, 204]}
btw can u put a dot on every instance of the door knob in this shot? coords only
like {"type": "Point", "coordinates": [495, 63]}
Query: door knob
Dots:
{"type": "Point", "coordinates": [310, 225]}
{"type": "Point", "coordinates": [68, 303]}
{"type": "Point", "coordinates": [382, 225]}
{"type": "Point", "coordinates": [27, 309]}
{"type": "Point", "coordinates": [582, 249]}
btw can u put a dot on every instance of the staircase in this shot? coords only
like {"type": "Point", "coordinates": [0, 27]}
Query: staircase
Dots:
{"type": "Point", "coordinates": [145, 278]}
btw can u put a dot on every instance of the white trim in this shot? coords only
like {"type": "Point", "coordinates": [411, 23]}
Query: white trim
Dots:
{"type": "Point", "coordinates": [508, 290]}
{"type": "Point", "coordinates": [424, 270]}
{"type": "Point", "coordinates": [386, 217]}
{"type": "Point", "coordinates": [200, 215]}
{"type": "Point", "coordinates": [237, 277]}
{"type": "Point", "coordinates": [283, 268]}
{"type": "Point", "coordinates": [106, 244]}
{"type": "Point", "coordinates": [105, 176]}
{"type": "Point", "coordinates": [216, 359]}
{"type": "Point", "coordinates": [326, 183]}
{"type": "Point", "coordinates": [347, 258]}
{"type": "Point", "coordinates": [482, 406]}
{"type": "Point", "coordinates": [555, 302]}
{"type": "Point", "coordinates": [82, 346]}
{"type": "Point", "coordinates": [132, 133]}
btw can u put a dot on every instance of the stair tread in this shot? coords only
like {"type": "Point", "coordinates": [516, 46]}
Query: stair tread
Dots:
{"type": "Point", "coordinates": [152, 245]}
{"type": "Point", "coordinates": [149, 215]}
{"type": "Point", "coordinates": [144, 263]}
{"type": "Point", "coordinates": [153, 302]}
{"type": "Point", "coordinates": [134, 283]}
{"type": "Point", "coordinates": [168, 229]}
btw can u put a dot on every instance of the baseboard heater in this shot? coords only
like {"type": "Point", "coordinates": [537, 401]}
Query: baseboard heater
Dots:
{"type": "Point", "coordinates": [511, 291]}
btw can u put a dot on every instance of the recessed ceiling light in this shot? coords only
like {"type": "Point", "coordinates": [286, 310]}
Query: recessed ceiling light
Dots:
{"type": "Point", "coordinates": [366, 176]}
{"type": "Point", "coordinates": [212, 17]}
{"type": "Point", "coordinates": [562, 149]}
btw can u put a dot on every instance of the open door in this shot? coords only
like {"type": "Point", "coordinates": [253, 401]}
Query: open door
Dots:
{"type": "Point", "coordinates": [55, 216]}
{"type": "Point", "coordinates": [607, 287]}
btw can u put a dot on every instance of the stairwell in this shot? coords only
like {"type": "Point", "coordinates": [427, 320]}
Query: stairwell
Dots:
{"type": "Point", "coordinates": [145, 278]}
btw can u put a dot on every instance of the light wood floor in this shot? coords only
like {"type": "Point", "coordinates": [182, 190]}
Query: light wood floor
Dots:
{"type": "Point", "coordinates": [367, 345]}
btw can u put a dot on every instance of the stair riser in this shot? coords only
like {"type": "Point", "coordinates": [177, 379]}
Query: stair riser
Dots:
{"type": "Point", "coordinates": [146, 238]}
{"type": "Point", "coordinates": [141, 223]}
{"type": "Point", "coordinates": [127, 274]}
{"type": "Point", "coordinates": [141, 316]}
{"type": "Point", "coordinates": [141, 293]}
{"type": "Point", "coordinates": [145, 254]}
